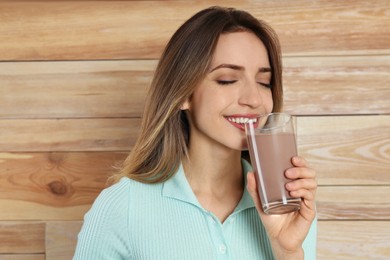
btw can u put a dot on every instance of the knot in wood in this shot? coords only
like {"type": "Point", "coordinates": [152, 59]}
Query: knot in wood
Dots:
{"type": "Point", "coordinates": [57, 188]}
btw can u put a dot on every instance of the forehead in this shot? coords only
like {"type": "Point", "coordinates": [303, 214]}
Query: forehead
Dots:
{"type": "Point", "coordinates": [240, 48]}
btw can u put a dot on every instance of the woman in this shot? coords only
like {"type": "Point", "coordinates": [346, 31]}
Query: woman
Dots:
{"type": "Point", "coordinates": [185, 191]}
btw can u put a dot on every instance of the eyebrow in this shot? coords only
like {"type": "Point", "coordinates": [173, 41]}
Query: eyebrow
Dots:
{"type": "Point", "coordinates": [237, 67]}
{"type": "Point", "coordinates": [265, 69]}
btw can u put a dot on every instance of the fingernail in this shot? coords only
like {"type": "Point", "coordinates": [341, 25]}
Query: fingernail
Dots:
{"type": "Point", "coordinates": [289, 173]}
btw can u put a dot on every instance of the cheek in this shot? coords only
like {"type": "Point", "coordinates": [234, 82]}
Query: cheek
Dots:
{"type": "Point", "coordinates": [270, 106]}
{"type": "Point", "coordinates": [208, 102]}
{"type": "Point", "coordinates": [268, 101]}
{"type": "Point", "coordinates": [201, 108]}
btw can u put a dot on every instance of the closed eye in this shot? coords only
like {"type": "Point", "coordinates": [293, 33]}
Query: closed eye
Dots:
{"type": "Point", "coordinates": [226, 82]}
{"type": "Point", "coordinates": [267, 85]}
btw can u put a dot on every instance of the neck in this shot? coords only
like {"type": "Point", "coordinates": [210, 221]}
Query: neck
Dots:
{"type": "Point", "coordinates": [216, 179]}
{"type": "Point", "coordinates": [213, 172]}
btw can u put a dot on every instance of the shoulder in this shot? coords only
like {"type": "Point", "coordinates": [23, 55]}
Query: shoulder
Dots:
{"type": "Point", "coordinates": [105, 229]}
{"type": "Point", "coordinates": [121, 190]}
{"type": "Point", "coordinates": [123, 197]}
{"type": "Point", "coordinates": [111, 203]}
{"type": "Point", "coordinates": [111, 198]}
{"type": "Point", "coordinates": [115, 191]}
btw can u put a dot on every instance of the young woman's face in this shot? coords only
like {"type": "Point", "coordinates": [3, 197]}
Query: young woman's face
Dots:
{"type": "Point", "coordinates": [236, 88]}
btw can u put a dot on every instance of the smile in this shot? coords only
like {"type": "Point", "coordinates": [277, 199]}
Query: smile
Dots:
{"type": "Point", "coordinates": [240, 122]}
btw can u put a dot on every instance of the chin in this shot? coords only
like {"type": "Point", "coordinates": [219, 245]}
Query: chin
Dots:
{"type": "Point", "coordinates": [242, 147]}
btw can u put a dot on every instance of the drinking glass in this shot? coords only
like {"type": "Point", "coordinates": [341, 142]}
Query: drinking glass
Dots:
{"type": "Point", "coordinates": [272, 144]}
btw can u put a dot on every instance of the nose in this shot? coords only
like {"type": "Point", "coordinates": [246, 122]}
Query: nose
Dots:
{"type": "Point", "coordinates": [250, 95]}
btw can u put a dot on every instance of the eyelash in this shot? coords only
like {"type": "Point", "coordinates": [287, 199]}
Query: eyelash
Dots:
{"type": "Point", "coordinates": [266, 85]}
{"type": "Point", "coordinates": [228, 82]}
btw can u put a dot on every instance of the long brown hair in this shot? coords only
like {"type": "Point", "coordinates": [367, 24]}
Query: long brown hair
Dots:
{"type": "Point", "coordinates": [164, 132]}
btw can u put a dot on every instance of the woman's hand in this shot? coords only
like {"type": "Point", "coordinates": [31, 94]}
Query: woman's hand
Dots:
{"type": "Point", "coordinates": [288, 231]}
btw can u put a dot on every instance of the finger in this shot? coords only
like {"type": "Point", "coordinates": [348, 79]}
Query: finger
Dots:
{"type": "Point", "coordinates": [299, 161]}
{"type": "Point", "coordinates": [307, 195]}
{"type": "Point", "coordinates": [308, 201]}
{"type": "Point", "coordinates": [307, 184]}
{"type": "Point", "coordinates": [300, 173]}
{"type": "Point", "coordinates": [308, 209]}
{"type": "Point", "coordinates": [308, 206]}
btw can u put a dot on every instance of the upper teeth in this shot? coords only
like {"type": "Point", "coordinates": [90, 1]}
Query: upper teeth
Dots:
{"type": "Point", "coordinates": [242, 120]}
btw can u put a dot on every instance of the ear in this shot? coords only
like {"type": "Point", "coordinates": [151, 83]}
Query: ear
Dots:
{"type": "Point", "coordinates": [185, 105]}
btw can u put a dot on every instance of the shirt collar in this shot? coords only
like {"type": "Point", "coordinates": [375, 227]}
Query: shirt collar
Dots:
{"type": "Point", "coordinates": [177, 187]}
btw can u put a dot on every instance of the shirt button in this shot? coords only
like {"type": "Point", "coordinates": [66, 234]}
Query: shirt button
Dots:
{"type": "Point", "coordinates": [222, 249]}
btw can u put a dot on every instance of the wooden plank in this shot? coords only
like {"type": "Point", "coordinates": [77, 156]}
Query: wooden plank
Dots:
{"type": "Point", "coordinates": [337, 85]}
{"type": "Point", "coordinates": [353, 203]}
{"type": "Point", "coordinates": [63, 185]}
{"type": "Point", "coordinates": [61, 239]}
{"type": "Point", "coordinates": [344, 150]}
{"type": "Point", "coordinates": [313, 86]}
{"type": "Point", "coordinates": [27, 210]}
{"type": "Point", "coordinates": [51, 30]}
{"type": "Point", "coordinates": [68, 134]}
{"type": "Point", "coordinates": [347, 150]}
{"type": "Point", "coordinates": [353, 240]}
{"type": "Point", "coordinates": [73, 89]}
{"type": "Point", "coordinates": [49, 186]}
{"type": "Point", "coordinates": [22, 257]}
{"type": "Point", "coordinates": [22, 237]}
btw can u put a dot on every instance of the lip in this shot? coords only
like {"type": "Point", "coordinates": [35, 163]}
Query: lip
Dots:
{"type": "Point", "coordinates": [241, 120]}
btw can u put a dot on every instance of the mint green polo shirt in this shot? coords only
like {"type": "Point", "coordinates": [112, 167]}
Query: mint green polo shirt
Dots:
{"type": "Point", "coordinates": [133, 220]}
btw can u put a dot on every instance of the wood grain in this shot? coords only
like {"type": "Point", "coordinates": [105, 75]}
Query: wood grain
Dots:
{"type": "Point", "coordinates": [343, 149]}
{"type": "Point", "coordinates": [87, 89]}
{"type": "Point", "coordinates": [22, 237]}
{"type": "Point", "coordinates": [63, 185]}
{"type": "Point", "coordinates": [353, 240]}
{"type": "Point", "coordinates": [73, 79]}
{"type": "Point", "coordinates": [27, 210]}
{"type": "Point", "coordinates": [52, 185]}
{"type": "Point", "coordinates": [347, 150]}
{"type": "Point", "coordinates": [68, 134]}
{"type": "Point", "coordinates": [51, 30]}
{"type": "Point", "coordinates": [337, 85]}
{"type": "Point", "coordinates": [353, 203]}
{"type": "Point", "coordinates": [61, 239]}
{"type": "Point", "coordinates": [22, 257]}
{"type": "Point", "coordinates": [74, 89]}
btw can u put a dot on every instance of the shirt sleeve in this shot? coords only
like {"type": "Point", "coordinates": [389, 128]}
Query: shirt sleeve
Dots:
{"type": "Point", "coordinates": [310, 243]}
{"type": "Point", "coordinates": [104, 234]}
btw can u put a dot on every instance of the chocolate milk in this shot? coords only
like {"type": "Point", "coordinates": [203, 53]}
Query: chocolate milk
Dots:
{"type": "Point", "coordinates": [274, 152]}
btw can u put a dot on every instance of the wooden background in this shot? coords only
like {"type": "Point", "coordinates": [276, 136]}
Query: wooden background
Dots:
{"type": "Point", "coordinates": [72, 83]}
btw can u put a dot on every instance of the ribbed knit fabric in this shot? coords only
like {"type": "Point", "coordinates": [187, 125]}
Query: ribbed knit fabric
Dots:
{"type": "Point", "coordinates": [132, 220]}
